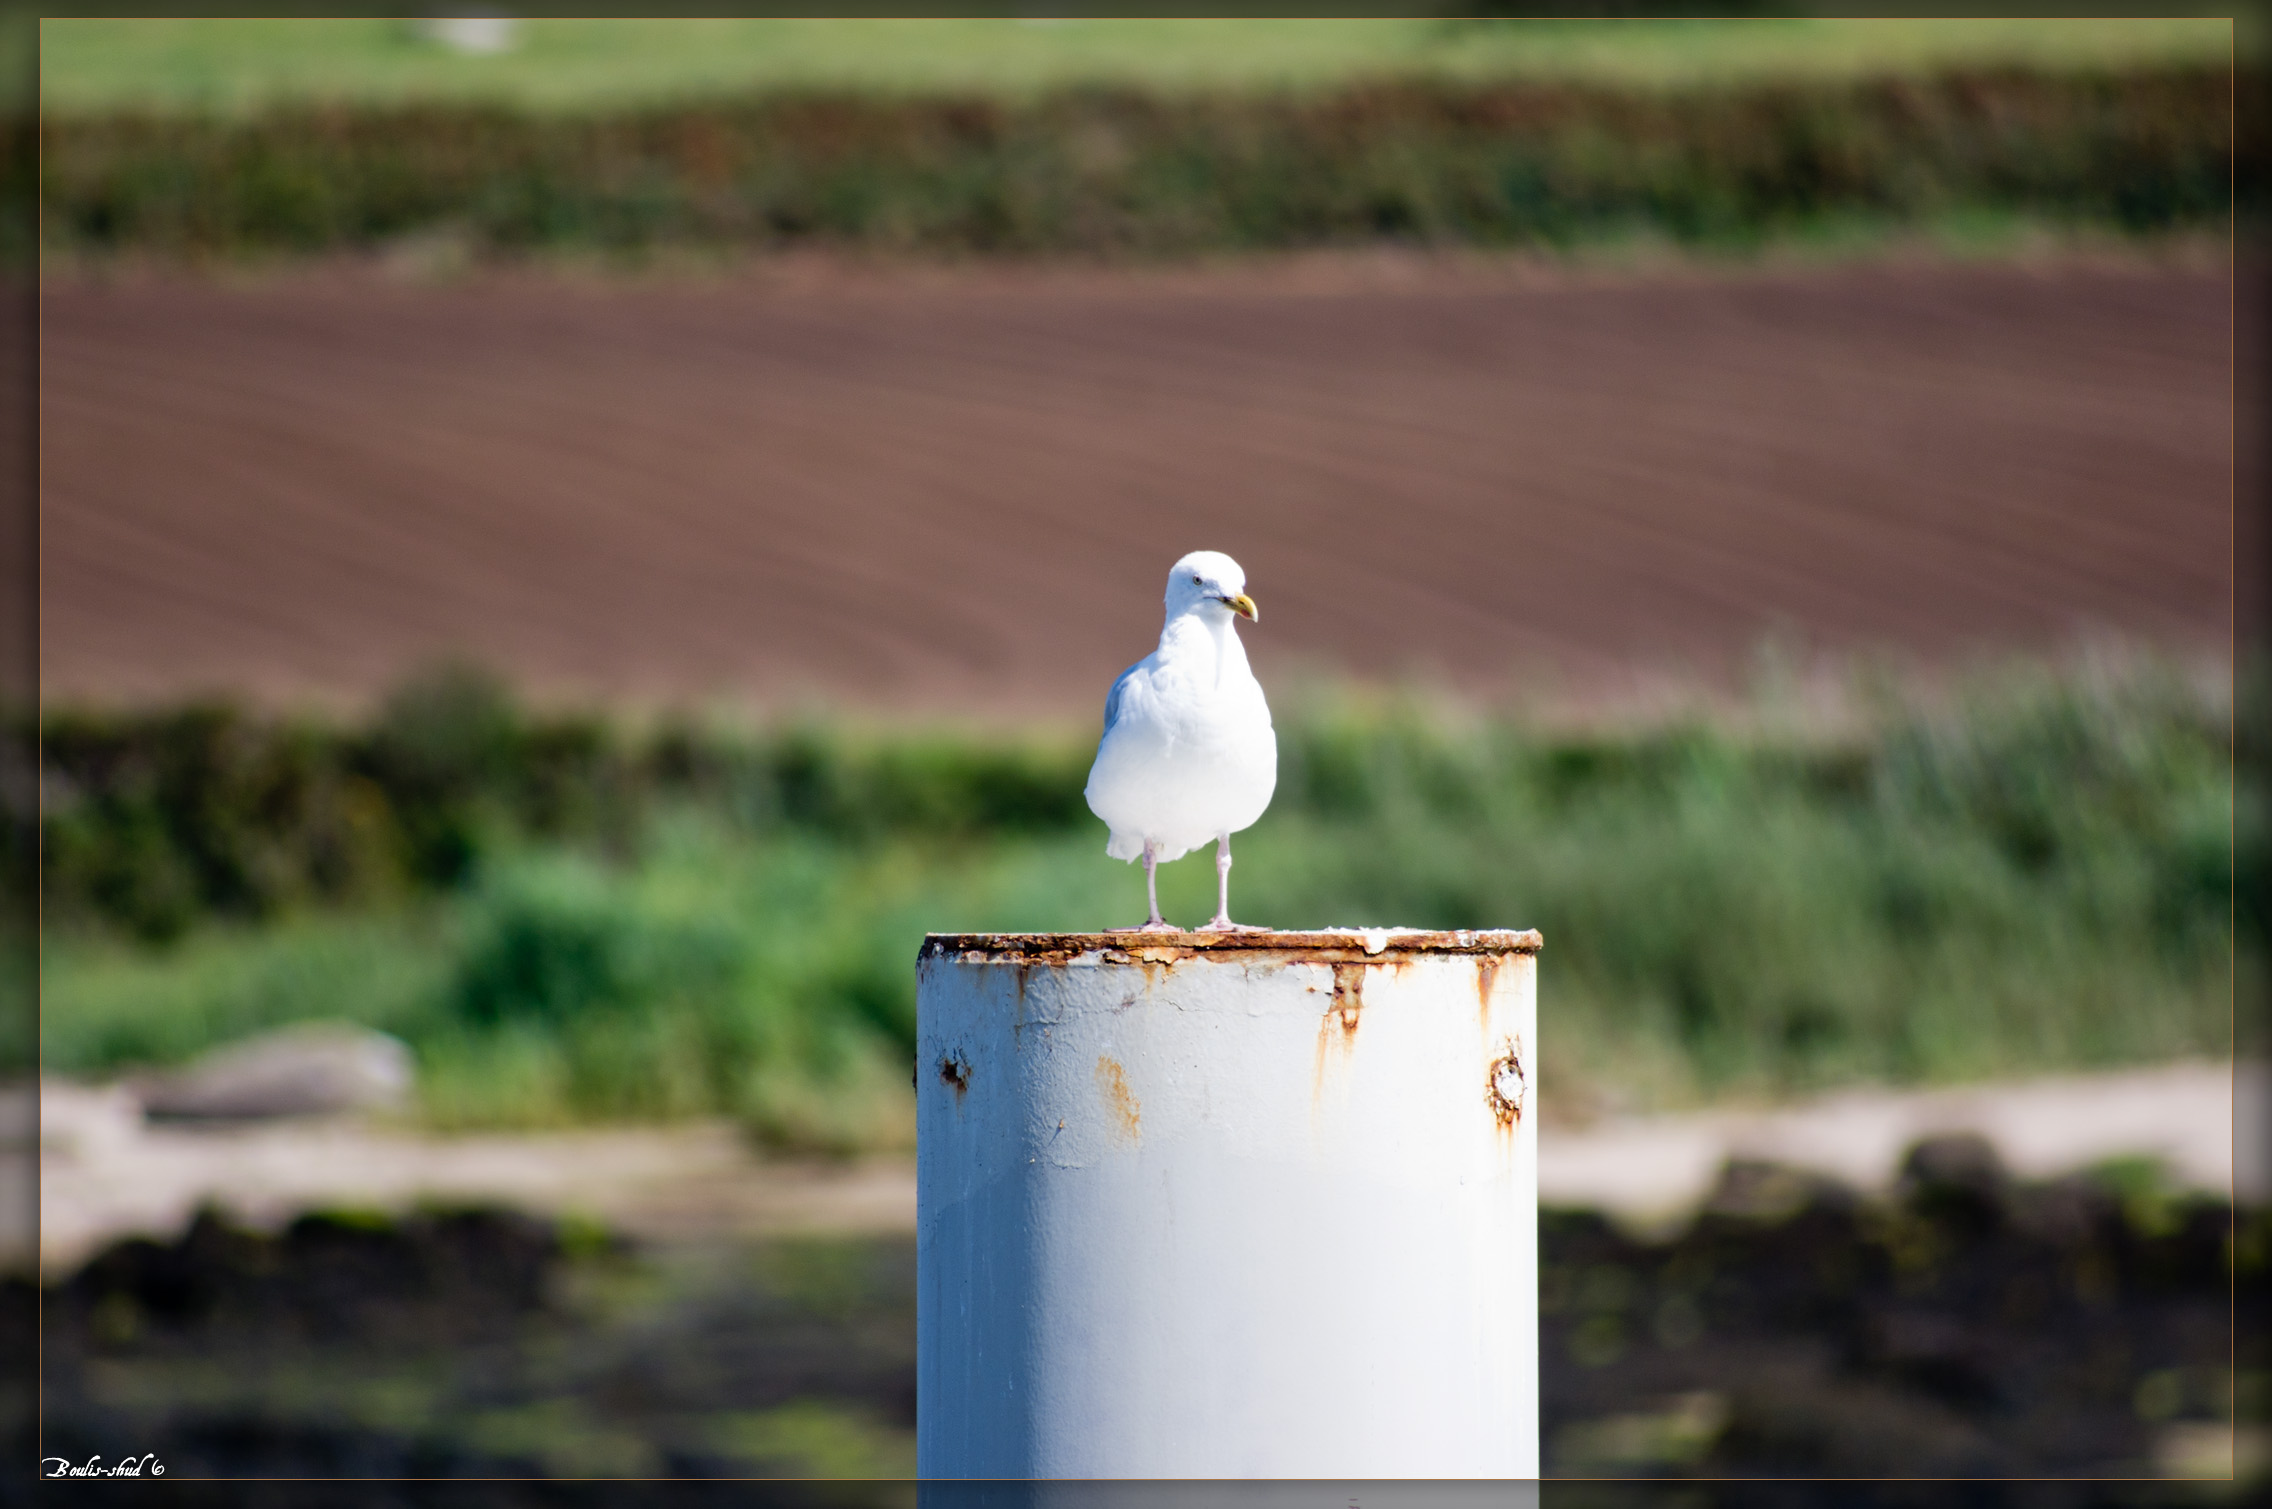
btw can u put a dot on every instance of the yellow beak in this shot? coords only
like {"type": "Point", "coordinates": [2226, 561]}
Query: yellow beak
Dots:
{"type": "Point", "coordinates": [1244, 607]}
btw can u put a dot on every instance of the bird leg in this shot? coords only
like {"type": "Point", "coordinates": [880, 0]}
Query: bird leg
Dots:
{"type": "Point", "coordinates": [1152, 894]}
{"type": "Point", "coordinates": [1222, 922]}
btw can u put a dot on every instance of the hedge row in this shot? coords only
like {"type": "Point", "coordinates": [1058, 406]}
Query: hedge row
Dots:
{"type": "Point", "coordinates": [1104, 171]}
{"type": "Point", "coordinates": [153, 820]}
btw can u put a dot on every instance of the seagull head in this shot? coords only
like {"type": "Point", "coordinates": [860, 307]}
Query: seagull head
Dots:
{"type": "Point", "coordinates": [1209, 582]}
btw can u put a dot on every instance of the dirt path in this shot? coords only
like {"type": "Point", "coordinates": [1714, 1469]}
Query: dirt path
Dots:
{"type": "Point", "coordinates": [944, 491]}
{"type": "Point", "coordinates": [105, 1173]}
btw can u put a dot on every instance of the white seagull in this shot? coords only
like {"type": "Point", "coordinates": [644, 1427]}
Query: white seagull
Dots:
{"type": "Point", "coordinates": [1188, 753]}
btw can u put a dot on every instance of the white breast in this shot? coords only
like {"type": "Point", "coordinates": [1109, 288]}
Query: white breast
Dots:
{"type": "Point", "coordinates": [1189, 753]}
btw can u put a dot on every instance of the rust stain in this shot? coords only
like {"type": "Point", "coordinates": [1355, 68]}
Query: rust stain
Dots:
{"type": "Point", "coordinates": [1050, 950]}
{"type": "Point", "coordinates": [1348, 996]}
{"type": "Point", "coordinates": [1158, 960]}
{"type": "Point", "coordinates": [954, 1071]}
{"type": "Point", "coordinates": [1127, 1111]}
{"type": "Point", "coordinates": [1487, 968]}
{"type": "Point", "coordinates": [1337, 1028]}
{"type": "Point", "coordinates": [1506, 1085]}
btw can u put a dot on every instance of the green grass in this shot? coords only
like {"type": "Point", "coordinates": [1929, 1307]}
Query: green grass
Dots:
{"type": "Point", "coordinates": [2038, 877]}
{"type": "Point", "coordinates": [814, 1438]}
{"type": "Point", "coordinates": [90, 65]}
{"type": "Point", "coordinates": [114, 1005]}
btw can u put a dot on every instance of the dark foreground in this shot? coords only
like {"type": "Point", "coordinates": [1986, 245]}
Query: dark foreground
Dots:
{"type": "Point", "coordinates": [1968, 1329]}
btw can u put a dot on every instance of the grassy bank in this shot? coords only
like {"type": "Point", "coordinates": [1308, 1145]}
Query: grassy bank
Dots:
{"type": "Point", "coordinates": [94, 65]}
{"type": "Point", "coordinates": [1114, 171]}
{"type": "Point", "coordinates": [2038, 876]}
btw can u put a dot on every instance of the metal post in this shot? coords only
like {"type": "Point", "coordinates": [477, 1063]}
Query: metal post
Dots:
{"type": "Point", "coordinates": [1228, 1205]}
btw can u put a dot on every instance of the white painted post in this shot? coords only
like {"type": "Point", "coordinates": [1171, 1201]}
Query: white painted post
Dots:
{"type": "Point", "coordinates": [1246, 1205]}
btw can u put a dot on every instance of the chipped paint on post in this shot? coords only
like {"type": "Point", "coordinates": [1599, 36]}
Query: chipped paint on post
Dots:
{"type": "Point", "coordinates": [1195, 1205]}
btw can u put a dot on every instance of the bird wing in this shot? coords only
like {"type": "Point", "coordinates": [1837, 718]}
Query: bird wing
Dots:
{"type": "Point", "coordinates": [1112, 698]}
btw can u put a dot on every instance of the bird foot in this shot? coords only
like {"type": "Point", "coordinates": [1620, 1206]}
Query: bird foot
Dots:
{"type": "Point", "coordinates": [1226, 925]}
{"type": "Point", "coordinates": [1148, 927]}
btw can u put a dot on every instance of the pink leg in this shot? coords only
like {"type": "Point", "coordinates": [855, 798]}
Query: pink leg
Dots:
{"type": "Point", "coordinates": [1151, 894]}
{"type": "Point", "coordinates": [1222, 922]}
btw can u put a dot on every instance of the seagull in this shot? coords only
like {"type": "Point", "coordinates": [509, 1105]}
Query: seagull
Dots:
{"type": "Point", "coordinates": [1188, 753]}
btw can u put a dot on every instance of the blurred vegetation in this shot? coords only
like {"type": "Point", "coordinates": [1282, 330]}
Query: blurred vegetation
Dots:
{"type": "Point", "coordinates": [19, 890]}
{"type": "Point", "coordinates": [484, 1343]}
{"type": "Point", "coordinates": [1109, 171]}
{"type": "Point", "coordinates": [568, 918]}
{"type": "Point", "coordinates": [92, 65]}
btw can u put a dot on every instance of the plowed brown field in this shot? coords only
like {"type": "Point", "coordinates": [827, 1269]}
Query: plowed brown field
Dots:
{"type": "Point", "coordinates": [965, 489]}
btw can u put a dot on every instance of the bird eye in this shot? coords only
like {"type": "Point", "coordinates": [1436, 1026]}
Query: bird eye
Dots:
{"type": "Point", "coordinates": [1197, 581]}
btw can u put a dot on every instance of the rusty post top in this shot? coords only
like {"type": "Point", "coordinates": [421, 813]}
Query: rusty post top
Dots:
{"type": "Point", "coordinates": [1330, 945]}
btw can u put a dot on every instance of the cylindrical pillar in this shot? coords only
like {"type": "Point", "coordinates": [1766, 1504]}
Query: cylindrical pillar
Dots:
{"type": "Point", "coordinates": [1228, 1205]}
